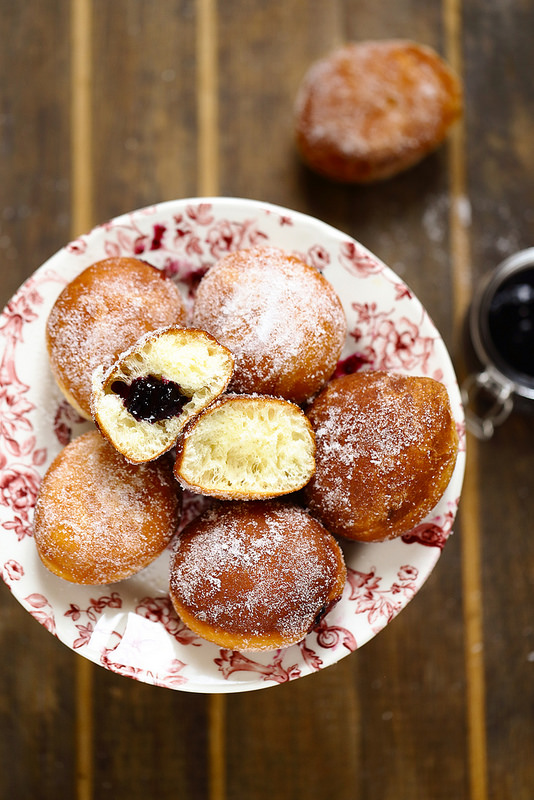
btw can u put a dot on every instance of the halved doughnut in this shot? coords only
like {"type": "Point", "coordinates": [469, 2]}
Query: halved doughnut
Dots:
{"type": "Point", "coordinates": [142, 402]}
{"type": "Point", "coordinates": [246, 447]}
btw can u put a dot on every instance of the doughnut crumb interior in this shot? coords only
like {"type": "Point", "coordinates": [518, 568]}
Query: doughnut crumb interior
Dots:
{"type": "Point", "coordinates": [148, 395]}
{"type": "Point", "coordinates": [246, 447]}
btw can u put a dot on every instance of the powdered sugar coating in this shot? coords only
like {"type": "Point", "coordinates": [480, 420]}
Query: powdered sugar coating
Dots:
{"type": "Point", "coordinates": [281, 319]}
{"type": "Point", "coordinates": [386, 447]}
{"type": "Point", "coordinates": [363, 283]}
{"type": "Point", "coordinates": [102, 312]}
{"type": "Point", "coordinates": [255, 575]}
{"type": "Point", "coordinates": [99, 519]}
{"type": "Point", "coordinates": [370, 109]}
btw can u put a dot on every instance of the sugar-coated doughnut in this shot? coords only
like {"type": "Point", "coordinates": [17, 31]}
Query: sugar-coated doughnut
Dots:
{"type": "Point", "coordinates": [102, 312]}
{"type": "Point", "coordinates": [142, 402]}
{"type": "Point", "coordinates": [280, 317]}
{"type": "Point", "coordinates": [371, 109]}
{"type": "Point", "coordinates": [255, 576]}
{"type": "Point", "coordinates": [246, 447]}
{"type": "Point", "coordinates": [386, 446]}
{"type": "Point", "coordinates": [99, 519]}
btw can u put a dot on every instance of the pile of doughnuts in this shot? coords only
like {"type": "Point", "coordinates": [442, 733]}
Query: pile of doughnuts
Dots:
{"type": "Point", "coordinates": [236, 403]}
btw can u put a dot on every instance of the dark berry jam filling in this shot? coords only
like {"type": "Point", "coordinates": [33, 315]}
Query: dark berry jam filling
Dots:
{"type": "Point", "coordinates": [150, 398]}
{"type": "Point", "coordinates": [511, 322]}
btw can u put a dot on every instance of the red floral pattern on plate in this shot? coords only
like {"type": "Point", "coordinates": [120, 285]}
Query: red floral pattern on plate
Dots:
{"type": "Point", "coordinates": [432, 533]}
{"type": "Point", "coordinates": [170, 677]}
{"type": "Point", "coordinates": [160, 609]}
{"type": "Point", "coordinates": [393, 343]}
{"type": "Point", "coordinates": [12, 571]}
{"type": "Point", "coordinates": [231, 661]}
{"type": "Point", "coordinates": [379, 604]}
{"type": "Point", "coordinates": [85, 618]}
{"type": "Point", "coordinates": [388, 329]}
{"type": "Point", "coordinates": [41, 610]}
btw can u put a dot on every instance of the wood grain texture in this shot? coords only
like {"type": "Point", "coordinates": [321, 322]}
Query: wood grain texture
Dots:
{"type": "Point", "coordinates": [145, 149]}
{"type": "Point", "coordinates": [144, 124]}
{"type": "Point", "coordinates": [500, 173]}
{"type": "Point", "coordinates": [37, 699]}
{"type": "Point", "coordinates": [372, 698]}
{"type": "Point", "coordinates": [114, 106]}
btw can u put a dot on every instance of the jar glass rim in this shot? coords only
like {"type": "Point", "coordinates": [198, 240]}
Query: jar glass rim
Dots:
{"type": "Point", "coordinates": [523, 385]}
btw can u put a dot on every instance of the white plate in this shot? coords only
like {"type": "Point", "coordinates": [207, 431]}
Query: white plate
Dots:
{"type": "Point", "coordinates": [130, 627]}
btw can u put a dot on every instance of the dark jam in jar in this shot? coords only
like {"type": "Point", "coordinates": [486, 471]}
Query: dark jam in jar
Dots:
{"type": "Point", "coordinates": [511, 322]}
{"type": "Point", "coordinates": [151, 398]}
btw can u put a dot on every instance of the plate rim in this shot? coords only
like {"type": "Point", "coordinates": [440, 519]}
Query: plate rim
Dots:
{"type": "Point", "coordinates": [165, 208]}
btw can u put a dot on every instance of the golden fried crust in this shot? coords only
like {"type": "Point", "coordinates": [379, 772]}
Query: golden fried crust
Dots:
{"type": "Point", "coordinates": [280, 317]}
{"type": "Point", "coordinates": [99, 519]}
{"type": "Point", "coordinates": [102, 312]}
{"type": "Point", "coordinates": [371, 109]}
{"type": "Point", "coordinates": [386, 446]}
{"type": "Point", "coordinates": [255, 575]}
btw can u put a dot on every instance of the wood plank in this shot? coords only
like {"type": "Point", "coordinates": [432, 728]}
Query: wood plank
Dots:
{"type": "Point", "coordinates": [34, 122]}
{"type": "Point", "coordinates": [469, 512]}
{"type": "Point", "coordinates": [148, 741]}
{"type": "Point", "coordinates": [81, 221]}
{"type": "Point", "coordinates": [207, 99]}
{"type": "Point", "coordinates": [301, 738]}
{"type": "Point", "coordinates": [37, 756]}
{"type": "Point", "coordinates": [498, 53]}
{"type": "Point", "coordinates": [377, 719]}
{"type": "Point", "coordinates": [144, 104]}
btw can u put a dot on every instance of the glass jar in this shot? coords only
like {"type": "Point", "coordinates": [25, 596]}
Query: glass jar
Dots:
{"type": "Point", "coordinates": [501, 326]}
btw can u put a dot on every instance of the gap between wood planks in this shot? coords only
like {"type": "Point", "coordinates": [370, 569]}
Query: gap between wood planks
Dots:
{"type": "Point", "coordinates": [82, 221]}
{"type": "Point", "coordinates": [469, 508]}
{"type": "Point", "coordinates": [208, 186]}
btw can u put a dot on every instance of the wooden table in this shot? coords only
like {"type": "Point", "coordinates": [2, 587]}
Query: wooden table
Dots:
{"type": "Point", "coordinates": [110, 106]}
